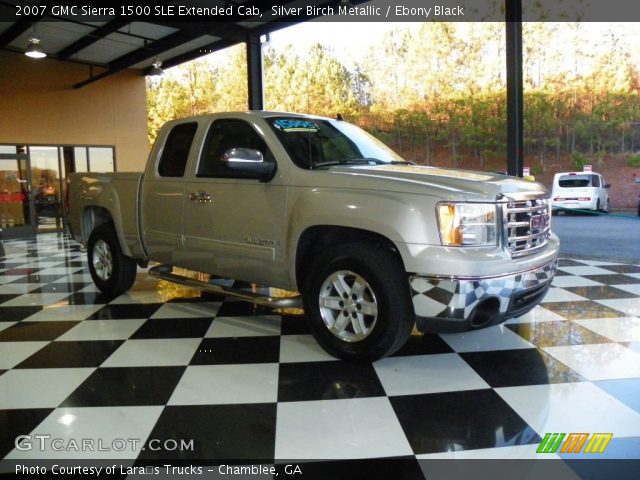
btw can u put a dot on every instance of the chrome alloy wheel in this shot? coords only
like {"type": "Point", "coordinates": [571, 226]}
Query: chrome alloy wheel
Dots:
{"type": "Point", "coordinates": [348, 306]}
{"type": "Point", "coordinates": [102, 260]}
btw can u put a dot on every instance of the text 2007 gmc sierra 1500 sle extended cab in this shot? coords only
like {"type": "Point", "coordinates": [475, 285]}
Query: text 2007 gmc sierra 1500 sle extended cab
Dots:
{"type": "Point", "coordinates": [374, 244]}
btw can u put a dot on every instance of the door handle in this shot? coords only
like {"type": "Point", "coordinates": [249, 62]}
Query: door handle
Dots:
{"type": "Point", "coordinates": [200, 197]}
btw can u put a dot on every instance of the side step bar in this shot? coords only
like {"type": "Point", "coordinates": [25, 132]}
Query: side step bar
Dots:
{"type": "Point", "coordinates": [164, 272]}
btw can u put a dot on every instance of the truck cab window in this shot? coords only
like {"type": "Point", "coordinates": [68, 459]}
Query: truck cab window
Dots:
{"type": "Point", "coordinates": [176, 150]}
{"type": "Point", "coordinates": [223, 135]}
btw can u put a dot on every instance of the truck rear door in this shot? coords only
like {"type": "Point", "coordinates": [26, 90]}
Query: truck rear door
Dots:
{"type": "Point", "coordinates": [234, 226]}
{"type": "Point", "coordinates": [163, 189]}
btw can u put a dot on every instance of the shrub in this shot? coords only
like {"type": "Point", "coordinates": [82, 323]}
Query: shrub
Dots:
{"type": "Point", "coordinates": [579, 161]}
{"type": "Point", "coordinates": [634, 161]}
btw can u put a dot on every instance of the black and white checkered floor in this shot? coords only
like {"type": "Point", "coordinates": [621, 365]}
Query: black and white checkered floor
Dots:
{"type": "Point", "coordinates": [163, 362]}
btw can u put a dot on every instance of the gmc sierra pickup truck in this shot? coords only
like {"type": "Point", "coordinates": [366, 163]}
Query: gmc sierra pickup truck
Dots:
{"type": "Point", "coordinates": [373, 243]}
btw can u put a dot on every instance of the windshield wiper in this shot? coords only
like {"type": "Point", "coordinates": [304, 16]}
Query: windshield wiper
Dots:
{"type": "Point", "coordinates": [360, 161]}
{"type": "Point", "coordinates": [353, 161]}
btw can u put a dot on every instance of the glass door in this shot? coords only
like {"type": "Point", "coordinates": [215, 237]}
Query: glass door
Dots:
{"type": "Point", "coordinates": [46, 188]}
{"type": "Point", "coordinates": [16, 211]}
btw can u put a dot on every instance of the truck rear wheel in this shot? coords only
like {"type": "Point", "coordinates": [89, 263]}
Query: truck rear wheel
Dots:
{"type": "Point", "coordinates": [358, 303]}
{"type": "Point", "coordinates": [111, 270]}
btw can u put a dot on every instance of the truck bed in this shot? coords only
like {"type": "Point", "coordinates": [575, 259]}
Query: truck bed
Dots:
{"type": "Point", "coordinates": [92, 195]}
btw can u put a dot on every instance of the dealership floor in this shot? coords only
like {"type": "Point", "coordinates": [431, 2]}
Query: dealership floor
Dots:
{"type": "Point", "coordinates": [165, 363]}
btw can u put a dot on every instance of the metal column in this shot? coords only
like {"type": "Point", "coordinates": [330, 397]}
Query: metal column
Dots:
{"type": "Point", "coordinates": [254, 73]}
{"type": "Point", "coordinates": [515, 136]}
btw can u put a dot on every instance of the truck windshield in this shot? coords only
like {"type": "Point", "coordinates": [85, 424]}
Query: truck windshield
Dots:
{"type": "Point", "coordinates": [316, 143]}
{"type": "Point", "coordinates": [573, 181]}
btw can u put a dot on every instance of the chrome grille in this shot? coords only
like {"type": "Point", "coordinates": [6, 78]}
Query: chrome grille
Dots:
{"type": "Point", "coordinates": [527, 224]}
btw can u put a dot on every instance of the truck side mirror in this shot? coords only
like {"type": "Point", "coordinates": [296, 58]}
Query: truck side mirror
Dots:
{"type": "Point", "coordinates": [607, 185]}
{"type": "Point", "coordinates": [249, 163]}
{"type": "Point", "coordinates": [246, 155]}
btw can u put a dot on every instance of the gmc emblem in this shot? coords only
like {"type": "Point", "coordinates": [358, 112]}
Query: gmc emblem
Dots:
{"type": "Point", "coordinates": [538, 222]}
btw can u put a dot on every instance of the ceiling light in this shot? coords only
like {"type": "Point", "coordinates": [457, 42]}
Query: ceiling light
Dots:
{"type": "Point", "coordinates": [156, 70]}
{"type": "Point", "coordinates": [34, 49]}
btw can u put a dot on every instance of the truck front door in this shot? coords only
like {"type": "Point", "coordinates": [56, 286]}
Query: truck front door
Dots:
{"type": "Point", "coordinates": [234, 225]}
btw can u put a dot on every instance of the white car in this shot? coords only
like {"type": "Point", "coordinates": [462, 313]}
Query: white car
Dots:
{"type": "Point", "coordinates": [579, 191]}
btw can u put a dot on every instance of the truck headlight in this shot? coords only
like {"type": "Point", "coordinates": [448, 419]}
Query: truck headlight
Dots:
{"type": "Point", "coordinates": [467, 224]}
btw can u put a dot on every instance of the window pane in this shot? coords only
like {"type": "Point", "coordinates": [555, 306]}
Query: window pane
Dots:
{"type": "Point", "coordinates": [313, 142]}
{"type": "Point", "coordinates": [574, 181]}
{"type": "Point", "coordinates": [176, 150]}
{"type": "Point", "coordinates": [45, 187]}
{"type": "Point", "coordinates": [101, 159]}
{"type": "Point", "coordinates": [44, 171]}
{"type": "Point", "coordinates": [223, 135]}
{"type": "Point", "coordinates": [80, 158]}
{"type": "Point", "coordinates": [14, 201]}
{"type": "Point", "coordinates": [8, 149]}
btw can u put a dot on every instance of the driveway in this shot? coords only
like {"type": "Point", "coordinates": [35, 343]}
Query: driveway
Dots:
{"type": "Point", "coordinates": [609, 237]}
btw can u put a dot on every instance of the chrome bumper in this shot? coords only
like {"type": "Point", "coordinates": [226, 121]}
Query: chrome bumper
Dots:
{"type": "Point", "coordinates": [449, 304]}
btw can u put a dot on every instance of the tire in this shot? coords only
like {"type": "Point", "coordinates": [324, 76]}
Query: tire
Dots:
{"type": "Point", "coordinates": [111, 270]}
{"type": "Point", "coordinates": [379, 313]}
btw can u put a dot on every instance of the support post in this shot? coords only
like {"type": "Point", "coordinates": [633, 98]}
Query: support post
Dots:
{"type": "Point", "coordinates": [515, 96]}
{"type": "Point", "coordinates": [254, 73]}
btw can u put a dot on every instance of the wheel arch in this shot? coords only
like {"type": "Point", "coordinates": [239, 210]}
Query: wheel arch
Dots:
{"type": "Point", "coordinates": [92, 217]}
{"type": "Point", "coordinates": [317, 238]}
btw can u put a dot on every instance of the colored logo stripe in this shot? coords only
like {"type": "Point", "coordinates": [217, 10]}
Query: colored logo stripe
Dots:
{"type": "Point", "coordinates": [550, 443]}
{"type": "Point", "coordinates": [574, 443]}
{"type": "Point", "coordinates": [596, 439]}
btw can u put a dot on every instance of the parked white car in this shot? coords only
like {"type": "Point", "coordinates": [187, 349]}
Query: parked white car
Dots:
{"type": "Point", "coordinates": [580, 191]}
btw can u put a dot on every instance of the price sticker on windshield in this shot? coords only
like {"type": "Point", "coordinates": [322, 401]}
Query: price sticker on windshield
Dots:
{"type": "Point", "coordinates": [295, 125]}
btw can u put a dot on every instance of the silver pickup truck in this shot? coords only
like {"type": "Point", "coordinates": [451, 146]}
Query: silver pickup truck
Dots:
{"type": "Point", "coordinates": [374, 244]}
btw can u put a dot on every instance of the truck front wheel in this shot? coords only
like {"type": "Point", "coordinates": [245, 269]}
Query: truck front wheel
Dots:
{"type": "Point", "coordinates": [111, 270]}
{"type": "Point", "coordinates": [358, 303]}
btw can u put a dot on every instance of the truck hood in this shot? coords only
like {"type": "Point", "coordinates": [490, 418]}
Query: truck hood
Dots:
{"type": "Point", "coordinates": [448, 183]}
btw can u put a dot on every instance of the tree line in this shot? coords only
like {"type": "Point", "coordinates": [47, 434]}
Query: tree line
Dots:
{"type": "Point", "coordinates": [440, 87]}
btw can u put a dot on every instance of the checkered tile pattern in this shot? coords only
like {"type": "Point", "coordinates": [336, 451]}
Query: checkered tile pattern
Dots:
{"type": "Point", "coordinates": [167, 362]}
{"type": "Point", "coordinates": [456, 299]}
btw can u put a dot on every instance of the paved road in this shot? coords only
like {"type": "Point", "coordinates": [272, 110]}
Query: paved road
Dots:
{"type": "Point", "coordinates": [607, 237]}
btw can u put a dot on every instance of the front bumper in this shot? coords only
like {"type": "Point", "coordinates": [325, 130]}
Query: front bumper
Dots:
{"type": "Point", "coordinates": [461, 303]}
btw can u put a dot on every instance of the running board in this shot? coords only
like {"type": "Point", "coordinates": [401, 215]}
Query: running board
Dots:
{"type": "Point", "coordinates": [164, 272]}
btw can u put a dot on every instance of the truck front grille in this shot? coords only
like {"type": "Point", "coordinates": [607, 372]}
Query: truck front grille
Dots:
{"type": "Point", "coordinates": [527, 224]}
